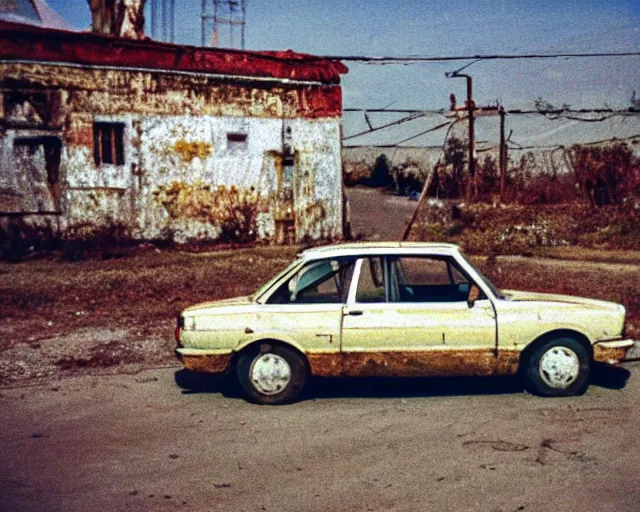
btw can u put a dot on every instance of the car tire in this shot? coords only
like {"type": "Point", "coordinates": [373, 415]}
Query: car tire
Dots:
{"type": "Point", "coordinates": [272, 375]}
{"type": "Point", "coordinates": [558, 367]}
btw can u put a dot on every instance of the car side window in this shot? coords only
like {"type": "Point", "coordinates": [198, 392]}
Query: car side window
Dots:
{"type": "Point", "coordinates": [428, 279]}
{"type": "Point", "coordinates": [319, 282]}
{"type": "Point", "coordinates": [371, 284]}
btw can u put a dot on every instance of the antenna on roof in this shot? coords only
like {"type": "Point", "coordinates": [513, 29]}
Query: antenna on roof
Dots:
{"type": "Point", "coordinates": [223, 23]}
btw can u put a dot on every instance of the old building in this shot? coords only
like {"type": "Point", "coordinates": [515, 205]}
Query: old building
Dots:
{"type": "Point", "coordinates": [168, 141]}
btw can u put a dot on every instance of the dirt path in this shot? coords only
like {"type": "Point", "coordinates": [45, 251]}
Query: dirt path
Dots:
{"type": "Point", "coordinates": [378, 216]}
{"type": "Point", "coordinates": [136, 443]}
{"type": "Point", "coordinates": [594, 266]}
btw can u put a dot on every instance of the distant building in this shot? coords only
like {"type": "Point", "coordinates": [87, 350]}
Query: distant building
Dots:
{"type": "Point", "coordinates": [167, 140]}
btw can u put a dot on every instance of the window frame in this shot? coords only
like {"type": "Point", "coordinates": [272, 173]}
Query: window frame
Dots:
{"type": "Point", "coordinates": [343, 294]}
{"type": "Point", "coordinates": [237, 141]}
{"type": "Point", "coordinates": [118, 137]}
{"type": "Point", "coordinates": [391, 289]}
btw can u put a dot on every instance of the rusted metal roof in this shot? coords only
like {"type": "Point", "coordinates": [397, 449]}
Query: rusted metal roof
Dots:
{"type": "Point", "coordinates": [31, 43]}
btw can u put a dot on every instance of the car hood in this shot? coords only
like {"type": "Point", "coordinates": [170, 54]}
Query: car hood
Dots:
{"type": "Point", "coordinates": [235, 301]}
{"type": "Point", "coordinates": [518, 296]}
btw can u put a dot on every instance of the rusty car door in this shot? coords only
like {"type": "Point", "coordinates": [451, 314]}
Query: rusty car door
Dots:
{"type": "Point", "coordinates": [388, 333]}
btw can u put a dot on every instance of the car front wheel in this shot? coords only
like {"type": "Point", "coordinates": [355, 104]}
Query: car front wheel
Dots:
{"type": "Point", "coordinates": [558, 367]}
{"type": "Point", "coordinates": [273, 375]}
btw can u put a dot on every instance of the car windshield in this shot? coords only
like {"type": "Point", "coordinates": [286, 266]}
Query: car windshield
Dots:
{"type": "Point", "coordinates": [265, 287]}
{"type": "Point", "coordinates": [485, 279]}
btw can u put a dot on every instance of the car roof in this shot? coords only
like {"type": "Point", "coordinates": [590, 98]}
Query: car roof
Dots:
{"type": "Point", "coordinates": [368, 248]}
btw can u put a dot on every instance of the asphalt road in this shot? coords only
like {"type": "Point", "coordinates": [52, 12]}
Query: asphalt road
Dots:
{"type": "Point", "coordinates": [378, 216]}
{"type": "Point", "coordinates": [138, 442]}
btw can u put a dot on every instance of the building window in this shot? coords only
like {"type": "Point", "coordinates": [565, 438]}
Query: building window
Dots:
{"type": "Point", "coordinates": [108, 143]}
{"type": "Point", "coordinates": [236, 141]}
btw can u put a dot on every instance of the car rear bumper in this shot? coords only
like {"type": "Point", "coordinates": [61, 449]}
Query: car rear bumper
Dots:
{"type": "Point", "coordinates": [612, 352]}
{"type": "Point", "coordinates": [209, 361]}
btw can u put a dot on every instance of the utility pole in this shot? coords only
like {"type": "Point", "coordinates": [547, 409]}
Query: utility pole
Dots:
{"type": "Point", "coordinates": [472, 182]}
{"type": "Point", "coordinates": [503, 155]}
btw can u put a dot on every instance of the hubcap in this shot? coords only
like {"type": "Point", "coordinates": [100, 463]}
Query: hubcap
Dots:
{"type": "Point", "coordinates": [559, 367]}
{"type": "Point", "coordinates": [270, 373]}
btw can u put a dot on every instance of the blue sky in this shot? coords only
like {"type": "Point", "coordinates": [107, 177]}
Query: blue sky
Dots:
{"type": "Point", "coordinates": [439, 27]}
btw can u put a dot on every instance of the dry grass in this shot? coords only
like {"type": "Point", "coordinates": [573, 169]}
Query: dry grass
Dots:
{"type": "Point", "coordinates": [574, 253]}
{"type": "Point", "coordinates": [607, 281]}
{"type": "Point", "coordinates": [516, 229]}
{"type": "Point", "coordinates": [50, 301]}
{"type": "Point", "coordinates": [48, 297]}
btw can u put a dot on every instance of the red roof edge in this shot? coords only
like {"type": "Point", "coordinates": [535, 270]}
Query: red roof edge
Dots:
{"type": "Point", "coordinates": [32, 43]}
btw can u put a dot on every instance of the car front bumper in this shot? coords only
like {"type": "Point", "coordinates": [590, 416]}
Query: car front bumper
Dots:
{"type": "Point", "coordinates": [199, 360]}
{"type": "Point", "coordinates": [612, 352]}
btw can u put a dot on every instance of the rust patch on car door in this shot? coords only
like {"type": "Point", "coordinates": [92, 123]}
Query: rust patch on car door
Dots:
{"type": "Point", "coordinates": [327, 364]}
{"type": "Point", "coordinates": [427, 363]}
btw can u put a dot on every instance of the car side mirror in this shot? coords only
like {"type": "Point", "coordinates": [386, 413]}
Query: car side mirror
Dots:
{"type": "Point", "coordinates": [474, 295]}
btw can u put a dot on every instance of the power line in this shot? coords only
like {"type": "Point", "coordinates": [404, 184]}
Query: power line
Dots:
{"type": "Point", "coordinates": [435, 128]}
{"type": "Point", "coordinates": [515, 145]}
{"type": "Point", "coordinates": [555, 111]}
{"type": "Point", "coordinates": [630, 110]}
{"type": "Point", "coordinates": [551, 114]}
{"type": "Point", "coordinates": [395, 111]}
{"type": "Point", "coordinates": [563, 146]}
{"type": "Point", "coordinates": [419, 58]}
{"type": "Point", "coordinates": [388, 125]}
{"type": "Point", "coordinates": [388, 146]}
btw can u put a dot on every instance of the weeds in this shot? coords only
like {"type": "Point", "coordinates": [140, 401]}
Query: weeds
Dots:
{"type": "Point", "coordinates": [518, 229]}
{"type": "Point", "coordinates": [234, 211]}
{"type": "Point", "coordinates": [86, 240]}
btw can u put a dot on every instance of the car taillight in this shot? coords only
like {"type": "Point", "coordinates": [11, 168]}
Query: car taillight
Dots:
{"type": "Point", "coordinates": [179, 326]}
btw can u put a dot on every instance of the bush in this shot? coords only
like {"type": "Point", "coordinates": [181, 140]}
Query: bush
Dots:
{"type": "Point", "coordinates": [381, 174]}
{"type": "Point", "coordinates": [86, 240]}
{"type": "Point", "coordinates": [409, 176]}
{"type": "Point", "coordinates": [20, 239]}
{"type": "Point", "coordinates": [356, 173]}
{"type": "Point", "coordinates": [607, 175]}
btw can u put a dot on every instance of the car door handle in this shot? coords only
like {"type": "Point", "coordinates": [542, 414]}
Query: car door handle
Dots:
{"type": "Point", "coordinates": [354, 313]}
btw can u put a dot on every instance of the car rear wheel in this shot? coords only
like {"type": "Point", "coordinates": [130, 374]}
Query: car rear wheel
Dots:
{"type": "Point", "coordinates": [272, 375]}
{"type": "Point", "coordinates": [558, 367]}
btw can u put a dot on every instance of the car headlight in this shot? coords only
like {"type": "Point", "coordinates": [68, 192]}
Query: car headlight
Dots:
{"type": "Point", "coordinates": [189, 323]}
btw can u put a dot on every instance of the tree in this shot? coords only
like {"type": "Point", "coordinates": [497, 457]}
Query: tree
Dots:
{"type": "Point", "coordinates": [606, 174]}
{"type": "Point", "coordinates": [451, 175]}
{"type": "Point", "coordinates": [381, 175]}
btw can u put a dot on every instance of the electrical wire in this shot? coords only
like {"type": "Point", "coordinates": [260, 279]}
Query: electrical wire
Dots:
{"type": "Point", "coordinates": [442, 58]}
{"type": "Point", "coordinates": [388, 125]}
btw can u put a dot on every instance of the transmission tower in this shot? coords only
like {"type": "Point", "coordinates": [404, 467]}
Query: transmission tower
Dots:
{"type": "Point", "coordinates": [162, 14]}
{"type": "Point", "coordinates": [223, 23]}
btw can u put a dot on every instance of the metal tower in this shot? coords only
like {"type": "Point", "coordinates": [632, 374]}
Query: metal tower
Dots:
{"type": "Point", "coordinates": [223, 23]}
{"type": "Point", "coordinates": [163, 20]}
